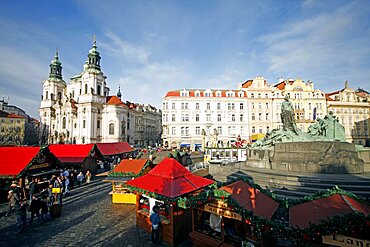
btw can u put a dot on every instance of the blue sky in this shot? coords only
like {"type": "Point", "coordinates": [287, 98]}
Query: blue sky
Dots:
{"type": "Point", "coordinates": [151, 47]}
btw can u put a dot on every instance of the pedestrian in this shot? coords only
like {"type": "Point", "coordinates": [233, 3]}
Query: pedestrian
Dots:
{"type": "Point", "coordinates": [71, 180]}
{"type": "Point", "coordinates": [88, 177]}
{"type": "Point", "coordinates": [13, 200]}
{"type": "Point", "coordinates": [44, 209]}
{"type": "Point", "coordinates": [35, 209]}
{"type": "Point", "coordinates": [80, 178]}
{"type": "Point", "coordinates": [32, 188]}
{"type": "Point", "coordinates": [66, 183]}
{"type": "Point", "coordinates": [50, 195]}
{"type": "Point", "coordinates": [22, 215]}
{"type": "Point", "coordinates": [155, 220]}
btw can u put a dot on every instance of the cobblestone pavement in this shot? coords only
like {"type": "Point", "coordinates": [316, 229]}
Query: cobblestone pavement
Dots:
{"type": "Point", "coordinates": [89, 218]}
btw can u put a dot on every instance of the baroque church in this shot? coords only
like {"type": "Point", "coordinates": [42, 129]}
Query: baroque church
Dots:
{"type": "Point", "coordinates": [82, 111]}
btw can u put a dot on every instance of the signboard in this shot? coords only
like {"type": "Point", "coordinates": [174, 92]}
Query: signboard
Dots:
{"type": "Point", "coordinates": [55, 190]}
{"type": "Point", "coordinates": [340, 240]}
{"type": "Point", "coordinates": [44, 165]}
{"type": "Point", "coordinates": [223, 212]}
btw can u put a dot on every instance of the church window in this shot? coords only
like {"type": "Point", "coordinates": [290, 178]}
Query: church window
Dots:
{"type": "Point", "coordinates": [111, 129]}
{"type": "Point", "coordinates": [59, 96]}
{"type": "Point", "coordinates": [64, 123]}
{"type": "Point", "coordinates": [83, 140]}
{"type": "Point", "coordinates": [98, 124]}
{"type": "Point", "coordinates": [84, 124]}
{"type": "Point", "coordinates": [75, 125]}
{"type": "Point", "coordinates": [47, 95]}
{"type": "Point", "coordinates": [99, 90]}
{"type": "Point", "coordinates": [85, 88]}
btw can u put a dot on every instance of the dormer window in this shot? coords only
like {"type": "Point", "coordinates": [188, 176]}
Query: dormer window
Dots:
{"type": "Point", "coordinates": [184, 94]}
{"type": "Point", "coordinates": [241, 94]}
{"type": "Point", "coordinates": [197, 94]}
{"type": "Point", "coordinates": [218, 94]}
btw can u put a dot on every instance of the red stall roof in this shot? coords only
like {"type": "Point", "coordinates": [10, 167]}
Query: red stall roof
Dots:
{"type": "Point", "coordinates": [71, 153]}
{"type": "Point", "coordinates": [131, 165]}
{"type": "Point", "coordinates": [252, 199]}
{"type": "Point", "coordinates": [13, 160]}
{"type": "Point", "coordinates": [114, 148]}
{"type": "Point", "coordinates": [320, 209]}
{"type": "Point", "coordinates": [169, 178]}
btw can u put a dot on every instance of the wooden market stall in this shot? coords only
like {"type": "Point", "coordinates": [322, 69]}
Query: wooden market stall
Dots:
{"type": "Point", "coordinates": [77, 156]}
{"type": "Point", "coordinates": [21, 164]}
{"type": "Point", "coordinates": [352, 212]}
{"type": "Point", "coordinates": [161, 186]}
{"type": "Point", "coordinates": [126, 170]}
{"type": "Point", "coordinates": [218, 223]}
{"type": "Point", "coordinates": [113, 152]}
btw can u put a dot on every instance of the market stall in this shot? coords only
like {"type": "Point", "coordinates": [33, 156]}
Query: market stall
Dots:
{"type": "Point", "coordinates": [21, 164]}
{"type": "Point", "coordinates": [222, 222]}
{"type": "Point", "coordinates": [115, 151]}
{"type": "Point", "coordinates": [162, 187]}
{"type": "Point", "coordinates": [338, 219]}
{"type": "Point", "coordinates": [126, 170]}
{"type": "Point", "coordinates": [77, 156]}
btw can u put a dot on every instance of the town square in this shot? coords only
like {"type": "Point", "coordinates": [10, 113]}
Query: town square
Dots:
{"type": "Point", "coordinates": [185, 123]}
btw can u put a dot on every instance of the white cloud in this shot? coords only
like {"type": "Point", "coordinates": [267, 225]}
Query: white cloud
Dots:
{"type": "Point", "coordinates": [322, 46]}
{"type": "Point", "coordinates": [118, 47]}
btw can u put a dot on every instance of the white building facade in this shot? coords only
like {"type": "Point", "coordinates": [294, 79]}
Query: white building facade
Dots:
{"type": "Point", "coordinates": [83, 112]}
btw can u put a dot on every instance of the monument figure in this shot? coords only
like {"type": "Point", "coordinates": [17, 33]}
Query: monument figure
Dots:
{"type": "Point", "coordinates": [287, 116]}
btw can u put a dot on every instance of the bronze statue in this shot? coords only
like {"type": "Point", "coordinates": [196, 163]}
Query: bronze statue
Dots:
{"type": "Point", "coordinates": [287, 116]}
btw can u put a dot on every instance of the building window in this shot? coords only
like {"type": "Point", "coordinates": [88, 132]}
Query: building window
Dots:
{"type": "Point", "coordinates": [173, 131]}
{"type": "Point", "coordinates": [64, 123]}
{"type": "Point", "coordinates": [197, 117]}
{"type": "Point", "coordinates": [233, 117]}
{"type": "Point", "coordinates": [267, 116]}
{"type": "Point", "coordinates": [184, 131]}
{"type": "Point", "coordinates": [197, 94]}
{"type": "Point", "coordinates": [259, 106]}
{"type": "Point", "coordinates": [219, 130]}
{"type": "Point", "coordinates": [85, 88]}
{"type": "Point", "coordinates": [208, 106]}
{"type": "Point", "coordinates": [259, 95]}
{"type": "Point", "coordinates": [99, 89]}
{"type": "Point", "coordinates": [196, 106]}
{"type": "Point", "coordinates": [241, 106]}
{"type": "Point", "coordinates": [267, 105]}
{"type": "Point", "coordinates": [259, 116]}
{"type": "Point", "coordinates": [241, 117]}
{"type": "Point", "coordinates": [197, 130]}
{"type": "Point", "coordinates": [184, 117]}
{"type": "Point", "coordinates": [208, 117]}
{"type": "Point", "coordinates": [47, 95]}
{"type": "Point", "coordinates": [98, 124]}
{"type": "Point", "coordinates": [266, 95]}
{"type": "Point", "coordinates": [218, 106]}
{"type": "Point", "coordinates": [253, 116]}
{"type": "Point", "coordinates": [173, 118]}
{"type": "Point", "coordinates": [252, 105]}
{"type": "Point", "coordinates": [267, 129]}
{"type": "Point", "coordinates": [252, 95]}
{"type": "Point", "coordinates": [84, 124]}
{"type": "Point", "coordinates": [242, 130]}
{"type": "Point", "coordinates": [218, 117]}
{"type": "Point", "coordinates": [111, 129]}
{"type": "Point", "coordinates": [83, 140]}
{"type": "Point", "coordinates": [253, 129]}
{"type": "Point", "coordinates": [173, 106]}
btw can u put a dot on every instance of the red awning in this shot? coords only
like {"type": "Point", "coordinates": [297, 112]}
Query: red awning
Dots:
{"type": "Point", "coordinates": [71, 153]}
{"type": "Point", "coordinates": [169, 178]}
{"type": "Point", "coordinates": [13, 160]}
{"type": "Point", "coordinates": [252, 199]}
{"type": "Point", "coordinates": [131, 165]}
{"type": "Point", "coordinates": [114, 148]}
{"type": "Point", "coordinates": [320, 209]}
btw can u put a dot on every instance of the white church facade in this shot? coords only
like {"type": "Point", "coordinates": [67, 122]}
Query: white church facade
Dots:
{"type": "Point", "coordinates": [82, 111]}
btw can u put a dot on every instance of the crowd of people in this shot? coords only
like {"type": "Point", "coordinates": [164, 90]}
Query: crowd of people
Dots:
{"type": "Point", "coordinates": [41, 199]}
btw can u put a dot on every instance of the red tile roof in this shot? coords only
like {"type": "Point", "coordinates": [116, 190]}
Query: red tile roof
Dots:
{"type": "Point", "coordinates": [252, 199]}
{"type": "Point", "coordinates": [169, 178]}
{"type": "Point", "coordinates": [114, 148]}
{"type": "Point", "coordinates": [131, 165]}
{"type": "Point", "coordinates": [247, 84]}
{"type": "Point", "coordinates": [303, 214]}
{"type": "Point", "coordinates": [114, 100]}
{"type": "Point", "coordinates": [9, 115]}
{"type": "Point", "coordinates": [71, 153]}
{"type": "Point", "coordinates": [13, 160]}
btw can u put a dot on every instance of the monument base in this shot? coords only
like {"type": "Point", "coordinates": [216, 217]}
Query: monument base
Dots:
{"type": "Point", "coordinates": [310, 157]}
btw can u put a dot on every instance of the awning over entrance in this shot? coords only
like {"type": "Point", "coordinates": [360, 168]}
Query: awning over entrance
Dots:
{"type": "Point", "coordinates": [183, 145]}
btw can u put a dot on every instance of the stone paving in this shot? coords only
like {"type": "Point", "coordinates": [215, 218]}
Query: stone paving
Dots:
{"type": "Point", "coordinates": [89, 218]}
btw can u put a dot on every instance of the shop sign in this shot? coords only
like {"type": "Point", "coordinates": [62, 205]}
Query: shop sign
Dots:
{"type": "Point", "coordinates": [55, 190]}
{"type": "Point", "coordinates": [44, 165]}
{"type": "Point", "coordinates": [223, 212]}
{"type": "Point", "coordinates": [340, 240]}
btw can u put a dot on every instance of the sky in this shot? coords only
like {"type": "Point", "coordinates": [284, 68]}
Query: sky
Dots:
{"type": "Point", "coordinates": [151, 47]}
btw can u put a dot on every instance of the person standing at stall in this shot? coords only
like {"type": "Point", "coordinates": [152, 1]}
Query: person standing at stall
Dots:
{"type": "Point", "coordinates": [80, 178]}
{"type": "Point", "coordinates": [88, 177]}
{"type": "Point", "coordinates": [32, 187]}
{"type": "Point", "coordinates": [13, 200]}
{"type": "Point", "coordinates": [155, 220]}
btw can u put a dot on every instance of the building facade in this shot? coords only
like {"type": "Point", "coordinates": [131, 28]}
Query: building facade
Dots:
{"type": "Point", "coordinates": [352, 107]}
{"type": "Point", "coordinates": [82, 111]}
{"type": "Point", "coordinates": [12, 129]}
{"type": "Point", "coordinates": [211, 117]}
